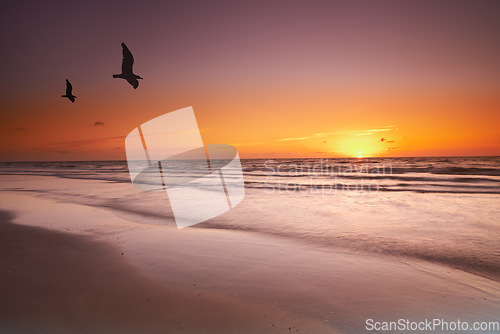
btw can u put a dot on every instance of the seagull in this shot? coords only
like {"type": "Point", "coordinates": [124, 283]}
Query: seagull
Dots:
{"type": "Point", "coordinates": [127, 72]}
{"type": "Point", "coordinates": [69, 90]}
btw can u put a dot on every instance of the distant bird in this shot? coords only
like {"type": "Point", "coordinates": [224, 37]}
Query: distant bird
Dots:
{"type": "Point", "coordinates": [69, 92]}
{"type": "Point", "coordinates": [127, 72]}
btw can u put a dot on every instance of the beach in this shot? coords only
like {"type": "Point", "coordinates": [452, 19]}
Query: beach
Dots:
{"type": "Point", "coordinates": [77, 259]}
{"type": "Point", "coordinates": [56, 282]}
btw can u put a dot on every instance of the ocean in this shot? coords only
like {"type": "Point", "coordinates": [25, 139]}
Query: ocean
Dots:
{"type": "Point", "coordinates": [441, 209]}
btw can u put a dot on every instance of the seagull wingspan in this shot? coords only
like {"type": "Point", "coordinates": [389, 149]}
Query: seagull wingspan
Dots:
{"type": "Point", "coordinates": [69, 88]}
{"type": "Point", "coordinates": [128, 60]}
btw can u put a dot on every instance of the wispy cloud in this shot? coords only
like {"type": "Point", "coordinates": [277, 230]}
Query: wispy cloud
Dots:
{"type": "Point", "coordinates": [17, 129]}
{"type": "Point", "coordinates": [82, 144]}
{"type": "Point", "coordinates": [296, 138]}
{"type": "Point", "coordinates": [345, 132]}
{"type": "Point", "coordinates": [324, 134]}
{"type": "Point", "coordinates": [369, 132]}
{"type": "Point", "coordinates": [248, 144]}
{"type": "Point", "coordinates": [205, 130]}
{"type": "Point", "coordinates": [357, 132]}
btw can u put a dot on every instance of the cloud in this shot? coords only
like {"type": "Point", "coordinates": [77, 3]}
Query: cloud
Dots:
{"type": "Point", "coordinates": [203, 130]}
{"type": "Point", "coordinates": [286, 139]}
{"type": "Point", "coordinates": [323, 134]}
{"type": "Point", "coordinates": [17, 129]}
{"type": "Point", "coordinates": [371, 131]}
{"type": "Point", "coordinates": [99, 123]}
{"type": "Point", "coordinates": [346, 132]}
{"type": "Point", "coordinates": [358, 132]}
{"type": "Point", "coordinates": [87, 144]}
{"type": "Point", "coordinates": [248, 144]}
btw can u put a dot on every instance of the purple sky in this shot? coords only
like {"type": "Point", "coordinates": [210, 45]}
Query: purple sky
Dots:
{"type": "Point", "coordinates": [185, 49]}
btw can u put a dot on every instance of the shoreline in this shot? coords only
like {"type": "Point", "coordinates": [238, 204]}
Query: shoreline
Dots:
{"type": "Point", "coordinates": [468, 249]}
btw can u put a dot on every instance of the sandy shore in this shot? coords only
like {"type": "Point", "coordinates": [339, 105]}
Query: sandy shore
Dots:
{"type": "Point", "coordinates": [72, 268]}
{"type": "Point", "coordinates": [55, 282]}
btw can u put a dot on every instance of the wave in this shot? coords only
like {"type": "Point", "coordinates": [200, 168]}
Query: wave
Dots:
{"type": "Point", "coordinates": [422, 175]}
{"type": "Point", "coordinates": [326, 188]}
{"type": "Point", "coordinates": [375, 177]}
{"type": "Point", "coordinates": [381, 170]}
{"type": "Point", "coordinates": [488, 267]}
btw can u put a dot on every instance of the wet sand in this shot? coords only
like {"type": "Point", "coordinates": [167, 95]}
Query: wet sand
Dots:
{"type": "Point", "coordinates": [55, 282]}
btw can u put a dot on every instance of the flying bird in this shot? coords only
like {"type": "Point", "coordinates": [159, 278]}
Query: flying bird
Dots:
{"type": "Point", "coordinates": [69, 92]}
{"type": "Point", "coordinates": [127, 72]}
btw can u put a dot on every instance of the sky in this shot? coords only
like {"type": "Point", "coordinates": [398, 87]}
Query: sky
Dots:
{"type": "Point", "coordinates": [272, 78]}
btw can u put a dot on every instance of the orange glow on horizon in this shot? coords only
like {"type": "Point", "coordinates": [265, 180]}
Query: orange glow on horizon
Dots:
{"type": "Point", "coordinates": [418, 126]}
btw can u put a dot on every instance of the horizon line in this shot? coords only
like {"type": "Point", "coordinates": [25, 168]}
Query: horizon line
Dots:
{"type": "Point", "coordinates": [270, 158]}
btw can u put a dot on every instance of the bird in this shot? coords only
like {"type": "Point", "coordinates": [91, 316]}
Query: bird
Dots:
{"type": "Point", "coordinates": [69, 92]}
{"type": "Point", "coordinates": [127, 72]}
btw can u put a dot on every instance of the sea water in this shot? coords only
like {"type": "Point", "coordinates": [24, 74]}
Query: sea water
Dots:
{"type": "Point", "coordinates": [441, 209]}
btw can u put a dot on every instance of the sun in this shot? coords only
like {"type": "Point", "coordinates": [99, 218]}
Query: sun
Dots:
{"type": "Point", "coordinates": [357, 146]}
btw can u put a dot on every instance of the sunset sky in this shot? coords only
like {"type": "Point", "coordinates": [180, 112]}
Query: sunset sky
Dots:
{"type": "Point", "coordinates": [273, 78]}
